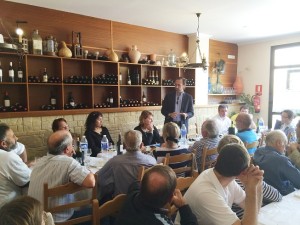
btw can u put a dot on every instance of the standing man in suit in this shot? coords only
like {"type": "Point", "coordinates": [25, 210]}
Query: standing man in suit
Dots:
{"type": "Point", "coordinates": [177, 106]}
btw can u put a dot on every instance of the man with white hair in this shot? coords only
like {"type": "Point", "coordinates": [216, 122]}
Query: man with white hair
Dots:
{"type": "Point", "coordinates": [279, 170]}
{"type": "Point", "coordinates": [122, 170]}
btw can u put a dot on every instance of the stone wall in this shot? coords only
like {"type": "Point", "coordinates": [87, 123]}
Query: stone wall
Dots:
{"type": "Point", "coordinates": [34, 131]}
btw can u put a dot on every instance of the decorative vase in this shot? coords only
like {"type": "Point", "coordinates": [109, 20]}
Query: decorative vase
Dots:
{"type": "Point", "coordinates": [134, 54]}
{"type": "Point", "coordinates": [112, 56]}
{"type": "Point", "coordinates": [238, 85]}
{"type": "Point", "coordinates": [64, 51]}
{"type": "Point", "coordinates": [217, 88]}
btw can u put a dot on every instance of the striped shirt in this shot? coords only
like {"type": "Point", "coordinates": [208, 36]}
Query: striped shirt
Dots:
{"type": "Point", "coordinates": [56, 170]}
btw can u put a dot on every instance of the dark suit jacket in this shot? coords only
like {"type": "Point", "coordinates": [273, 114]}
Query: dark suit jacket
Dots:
{"type": "Point", "coordinates": [168, 106]}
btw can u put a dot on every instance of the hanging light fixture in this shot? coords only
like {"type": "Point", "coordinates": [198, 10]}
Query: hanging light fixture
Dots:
{"type": "Point", "coordinates": [203, 63]}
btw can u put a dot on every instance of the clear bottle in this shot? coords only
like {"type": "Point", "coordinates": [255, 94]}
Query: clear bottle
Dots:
{"type": "Point", "coordinates": [183, 133]}
{"type": "Point", "coordinates": [104, 144]}
{"type": "Point", "coordinates": [11, 73]}
{"type": "Point", "coordinates": [83, 148]}
{"type": "Point", "coordinates": [6, 100]}
{"type": "Point", "coordinates": [45, 76]}
{"type": "Point", "coordinates": [1, 73]}
{"type": "Point", "coordinates": [20, 72]}
{"type": "Point", "coordinates": [36, 43]}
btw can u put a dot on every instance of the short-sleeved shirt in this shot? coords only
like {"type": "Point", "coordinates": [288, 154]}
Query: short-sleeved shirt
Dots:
{"type": "Point", "coordinates": [14, 173]}
{"type": "Point", "coordinates": [210, 202]}
{"type": "Point", "coordinates": [19, 149]}
{"type": "Point", "coordinates": [56, 170]}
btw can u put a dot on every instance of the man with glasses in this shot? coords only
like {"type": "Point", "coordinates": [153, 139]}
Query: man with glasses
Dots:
{"type": "Point", "coordinates": [14, 173]}
{"type": "Point", "coordinates": [177, 106]}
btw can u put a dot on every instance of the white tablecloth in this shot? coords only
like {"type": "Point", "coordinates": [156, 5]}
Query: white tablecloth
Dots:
{"type": "Point", "coordinates": [96, 163]}
{"type": "Point", "coordinates": [285, 212]}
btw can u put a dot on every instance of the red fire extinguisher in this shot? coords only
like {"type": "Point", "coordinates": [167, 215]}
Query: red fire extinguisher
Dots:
{"type": "Point", "coordinates": [256, 103]}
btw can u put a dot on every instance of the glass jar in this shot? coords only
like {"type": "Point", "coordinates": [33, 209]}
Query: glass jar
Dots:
{"type": "Point", "coordinates": [36, 43]}
{"type": "Point", "coordinates": [172, 58]}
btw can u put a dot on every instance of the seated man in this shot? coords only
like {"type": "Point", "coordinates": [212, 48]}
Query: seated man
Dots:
{"type": "Point", "coordinates": [145, 206]}
{"type": "Point", "coordinates": [14, 173]}
{"type": "Point", "coordinates": [245, 133]}
{"type": "Point", "coordinates": [20, 150]}
{"type": "Point", "coordinates": [58, 168]}
{"type": "Point", "coordinates": [120, 171]}
{"type": "Point", "coordinates": [286, 125]}
{"type": "Point", "coordinates": [221, 119]}
{"type": "Point", "coordinates": [210, 139]}
{"type": "Point", "coordinates": [294, 148]}
{"type": "Point", "coordinates": [244, 109]}
{"type": "Point", "coordinates": [215, 190]}
{"type": "Point", "coordinates": [279, 170]}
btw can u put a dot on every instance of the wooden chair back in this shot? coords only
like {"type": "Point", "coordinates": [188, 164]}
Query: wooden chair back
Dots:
{"type": "Point", "coordinates": [110, 208]}
{"type": "Point", "coordinates": [210, 163]}
{"type": "Point", "coordinates": [188, 168]}
{"type": "Point", "coordinates": [69, 188]}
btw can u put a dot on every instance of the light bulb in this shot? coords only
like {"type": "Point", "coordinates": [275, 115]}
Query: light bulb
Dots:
{"type": "Point", "coordinates": [19, 32]}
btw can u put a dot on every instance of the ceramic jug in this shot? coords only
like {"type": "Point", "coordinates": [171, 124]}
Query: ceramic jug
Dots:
{"type": "Point", "coordinates": [134, 54]}
{"type": "Point", "coordinates": [64, 51]}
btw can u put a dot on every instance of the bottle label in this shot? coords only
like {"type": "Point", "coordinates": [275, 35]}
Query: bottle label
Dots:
{"type": "Point", "coordinates": [111, 101]}
{"type": "Point", "coordinates": [45, 78]}
{"type": "Point", "coordinates": [1, 73]}
{"type": "Point", "coordinates": [104, 145]}
{"type": "Point", "coordinates": [53, 101]}
{"type": "Point", "coordinates": [37, 46]}
{"type": "Point", "coordinates": [72, 104]}
{"type": "Point", "coordinates": [144, 99]}
{"type": "Point", "coordinates": [7, 103]}
{"type": "Point", "coordinates": [20, 74]}
{"type": "Point", "coordinates": [11, 73]}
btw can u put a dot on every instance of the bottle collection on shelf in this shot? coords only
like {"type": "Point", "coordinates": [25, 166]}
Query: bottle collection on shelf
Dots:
{"type": "Point", "coordinates": [73, 105]}
{"type": "Point", "coordinates": [11, 73]}
{"type": "Point", "coordinates": [8, 107]}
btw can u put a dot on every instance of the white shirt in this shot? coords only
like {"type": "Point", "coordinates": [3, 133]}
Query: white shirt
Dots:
{"type": "Point", "coordinates": [210, 202]}
{"type": "Point", "coordinates": [14, 173]}
{"type": "Point", "coordinates": [19, 149]}
{"type": "Point", "coordinates": [223, 123]}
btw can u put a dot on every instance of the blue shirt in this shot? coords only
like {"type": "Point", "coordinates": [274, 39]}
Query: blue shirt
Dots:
{"type": "Point", "coordinates": [248, 136]}
{"type": "Point", "coordinates": [279, 171]}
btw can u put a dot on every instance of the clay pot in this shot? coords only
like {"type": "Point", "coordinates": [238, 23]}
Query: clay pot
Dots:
{"type": "Point", "coordinates": [134, 54]}
{"type": "Point", "coordinates": [64, 51]}
{"type": "Point", "coordinates": [112, 56]}
{"type": "Point", "coordinates": [238, 85]}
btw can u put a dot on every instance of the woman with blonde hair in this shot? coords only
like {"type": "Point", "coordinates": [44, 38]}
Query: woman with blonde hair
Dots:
{"type": "Point", "coordinates": [171, 133]}
{"type": "Point", "coordinates": [150, 134]}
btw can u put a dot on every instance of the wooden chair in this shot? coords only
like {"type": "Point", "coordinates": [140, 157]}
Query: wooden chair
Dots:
{"type": "Point", "coordinates": [188, 168]}
{"type": "Point", "coordinates": [210, 163]}
{"type": "Point", "coordinates": [69, 188]}
{"type": "Point", "coordinates": [110, 208]}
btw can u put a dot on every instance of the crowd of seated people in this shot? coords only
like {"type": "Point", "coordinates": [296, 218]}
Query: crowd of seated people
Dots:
{"type": "Point", "coordinates": [205, 205]}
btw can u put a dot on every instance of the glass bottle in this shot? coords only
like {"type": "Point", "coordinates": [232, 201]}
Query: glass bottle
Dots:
{"type": "Point", "coordinates": [36, 43]}
{"type": "Point", "coordinates": [71, 100]}
{"type": "Point", "coordinates": [172, 58]}
{"type": "Point", "coordinates": [1, 74]}
{"type": "Point", "coordinates": [11, 73]}
{"type": "Point", "coordinates": [111, 99]}
{"type": "Point", "coordinates": [52, 99]}
{"type": "Point", "coordinates": [119, 144]}
{"type": "Point", "coordinates": [45, 76]}
{"type": "Point", "coordinates": [20, 72]}
{"type": "Point", "coordinates": [120, 78]}
{"type": "Point", "coordinates": [6, 100]}
{"type": "Point", "coordinates": [144, 99]}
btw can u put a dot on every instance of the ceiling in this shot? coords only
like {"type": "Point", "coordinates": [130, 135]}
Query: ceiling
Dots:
{"type": "Point", "coordinates": [234, 21]}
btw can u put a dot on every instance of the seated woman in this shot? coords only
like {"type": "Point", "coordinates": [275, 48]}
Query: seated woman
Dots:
{"type": "Point", "coordinates": [270, 194]}
{"type": "Point", "coordinates": [149, 132]}
{"type": "Point", "coordinates": [59, 124]}
{"type": "Point", "coordinates": [94, 132]}
{"type": "Point", "coordinates": [171, 133]}
{"type": "Point", "coordinates": [24, 210]}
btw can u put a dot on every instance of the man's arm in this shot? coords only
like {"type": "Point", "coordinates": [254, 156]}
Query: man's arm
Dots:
{"type": "Point", "coordinates": [23, 156]}
{"type": "Point", "coordinates": [252, 179]}
{"type": "Point", "coordinates": [89, 181]}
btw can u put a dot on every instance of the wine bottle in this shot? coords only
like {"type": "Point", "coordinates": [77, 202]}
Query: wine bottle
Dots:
{"type": "Point", "coordinates": [6, 100]}
{"type": "Point", "coordinates": [71, 100]}
{"type": "Point", "coordinates": [156, 78]}
{"type": "Point", "coordinates": [119, 144]}
{"type": "Point", "coordinates": [11, 73]}
{"type": "Point", "coordinates": [45, 76]}
{"type": "Point", "coordinates": [137, 77]}
{"type": "Point", "coordinates": [144, 99]}
{"type": "Point", "coordinates": [129, 80]}
{"type": "Point", "coordinates": [20, 72]}
{"type": "Point", "coordinates": [1, 74]}
{"type": "Point", "coordinates": [120, 78]}
{"type": "Point", "coordinates": [111, 99]}
{"type": "Point", "coordinates": [52, 99]}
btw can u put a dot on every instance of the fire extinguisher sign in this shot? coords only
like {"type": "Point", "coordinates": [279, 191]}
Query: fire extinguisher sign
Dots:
{"type": "Point", "coordinates": [258, 90]}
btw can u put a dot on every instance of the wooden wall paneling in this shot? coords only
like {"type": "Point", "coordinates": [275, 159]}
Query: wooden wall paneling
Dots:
{"type": "Point", "coordinates": [148, 40]}
{"type": "Point", "coordinates": [217, 50]}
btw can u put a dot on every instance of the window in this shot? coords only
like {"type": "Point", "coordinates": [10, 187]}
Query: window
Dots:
{"type": "Point", "coordinates": [284, 81]}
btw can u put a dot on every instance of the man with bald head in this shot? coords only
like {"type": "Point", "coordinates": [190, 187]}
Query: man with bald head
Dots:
{"type": "Point", "coordinates": [245, 133]}
{"type": "Point", "coordinates": [58, 168]}
{"type": "Point", "coordinates": [144, 204]}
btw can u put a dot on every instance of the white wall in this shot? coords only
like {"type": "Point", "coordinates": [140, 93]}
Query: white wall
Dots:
{"type": "Point", "coordinates": [254, 67]}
